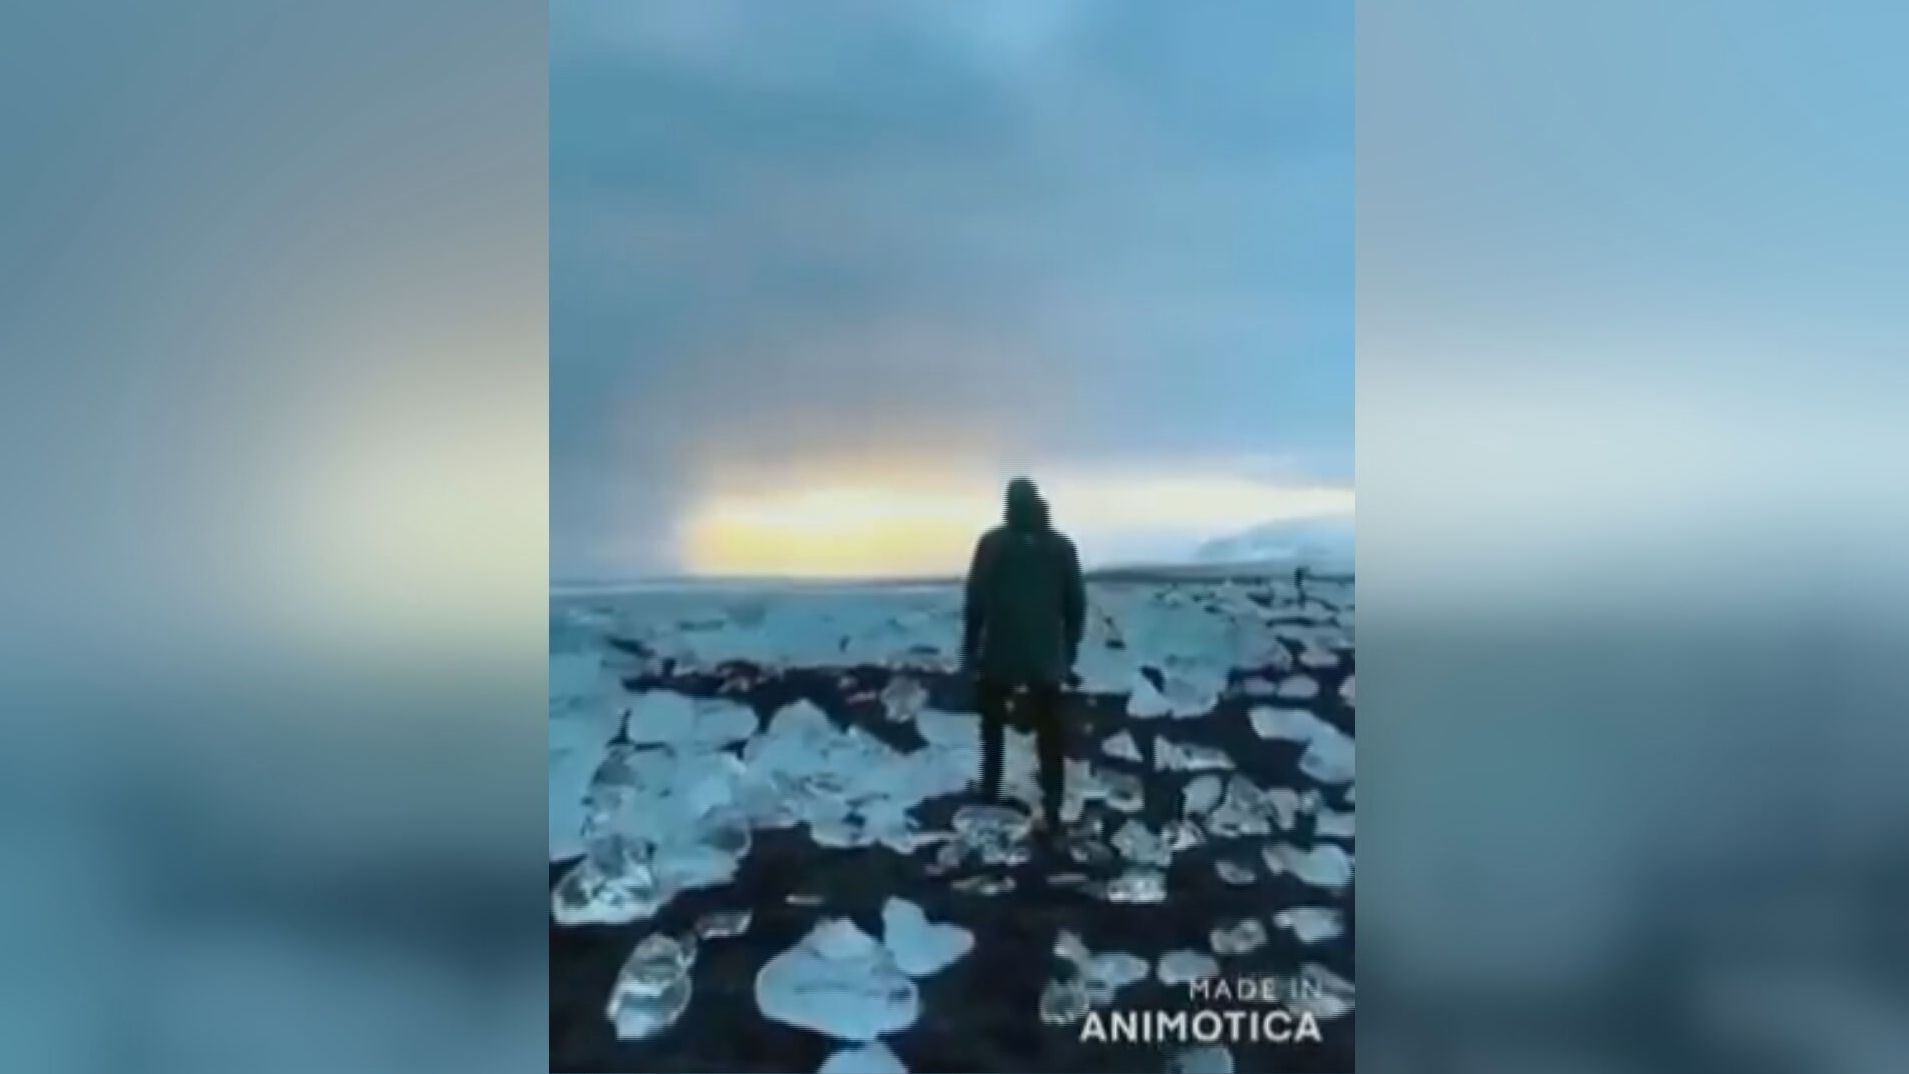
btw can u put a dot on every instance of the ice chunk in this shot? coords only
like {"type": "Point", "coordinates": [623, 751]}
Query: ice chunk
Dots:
{"type": "Point", "coordinates": [985, 884]}
{"type": "Point", "coordinates": [1201, 794]}
{"type": "Point", "coordinates": [948, 857]}
{"type": "Point", "coordinates": [1141, 846]}
{"type": "Point", "coordinates": [949, 730]}
{"type": "Point", "coordinates": [1331, 825]}
{"type": "Point", "coordinates": [1137, 885]}
{"type": "Point", "coordinates": [1108, 973]}
{"type": "Point", "coordinates": [1321, 992]}
{"type": "Point", "coordinates": [847, 786]}
{"type": "Point", "coordinates": [1118, 969]}
{"type": "Point", "coordinates": [872, 1058]}
{"type": "Point", "coordinates": [1243, 812]}
{"type": "Point", "coordinates": [1064, 1001]}
{"type": "Point", "coordinates": [1242, 937]}
{"type": "Point", "coordinates": [1287, 804]}
{"type": "Point", "coordinates": [719, 924]}
{"type": "Point", "coordinates": [1324, 866]}
{"type": "Point", "coordinates": [1311, 924]}
{"type": "Point", "coordinates": [921, 948]}
{"type": "Point", "coordinates": [1122, 746]}
{"type": "Point", "coordinates": [1232, 872]}
{"type": "Point", "coordinates": [653, 988]}
{"type": "Point", "coordinates": [903, 698]}
{"type": "Point", "coordinates": [1089, 850]}
{"type": "Point", "coordinates": [1179, 835]}
{"type": "Point", "coordinates": [993, 834]}
{"type": "Point", "coordinates": [614, 884]}
{"type": "Point", "coordinates": [1278, 657]}
{"type": "Point", "coordinates": [1289, 725]}
{"type": "Point", "coordinates": [1297, 688]}
{"type": "Point", "coordinates": [1192, 757]}
{"type": "Point", "coordinates": [837, 832]}
{"type": "Point", "coordinates": [1328, 756]}
{"type": "Point", "coordinates": [1180, 967]}
{"type": "Point", "coordinates": [658, 821]}
{"type": "Point", "coordinates": [664, 716]}
{"type": "Point", "coordinates": [1144, 701]}
{"type": "Point", "coordinates": [1205, 1059]}
{"type": "Point", "coordinates": [1258, 686]}
{"type": "Point", "coordinates": [1345, 690]}
{"type": "Point", "coordinates": [1191, 689]}
{"type": "Point", "coordinates": [1068, 945]}
{"type": "Point", "coordinates": [1318, 657]}
{"type": "Point", "coordinates": [1122, 791]}
{"type": "Point", "coordinates": [1102, 976]}
{"type": "Point", "coordinates": [839, 982]}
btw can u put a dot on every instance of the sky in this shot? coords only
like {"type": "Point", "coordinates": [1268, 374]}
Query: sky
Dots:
{"type": "Point", "coordinates": [823, 277]}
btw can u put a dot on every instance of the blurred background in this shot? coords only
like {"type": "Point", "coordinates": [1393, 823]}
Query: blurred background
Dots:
{"type": "Point", "coordinates": [274, 409]}
{"type": "Point", "coordinates": [1630, 386]}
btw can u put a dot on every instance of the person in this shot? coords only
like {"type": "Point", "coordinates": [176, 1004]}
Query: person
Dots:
{"type": "Point", "coordinates": [1025, 607]}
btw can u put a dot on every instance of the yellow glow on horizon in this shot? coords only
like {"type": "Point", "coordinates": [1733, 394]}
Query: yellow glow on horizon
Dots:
{"type": "Point", "coordinates": [862, 530]}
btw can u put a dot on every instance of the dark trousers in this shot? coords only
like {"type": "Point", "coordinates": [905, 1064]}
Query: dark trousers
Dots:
{"type": "Point", "coordinates": [1042, 706]}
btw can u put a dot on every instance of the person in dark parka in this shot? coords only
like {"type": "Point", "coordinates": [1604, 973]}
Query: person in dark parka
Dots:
{"type": "Point", "coordinates": [1026, 607]}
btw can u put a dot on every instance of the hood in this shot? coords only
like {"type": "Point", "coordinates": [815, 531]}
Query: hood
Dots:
{"type": "Point", "coordinates": [1026, 511]}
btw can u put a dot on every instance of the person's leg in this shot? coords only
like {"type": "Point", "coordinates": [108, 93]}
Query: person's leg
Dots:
{"type": "Point", "coordinates": [991, 699]}
{"type": "Point", "coordinates": [1051, 741]}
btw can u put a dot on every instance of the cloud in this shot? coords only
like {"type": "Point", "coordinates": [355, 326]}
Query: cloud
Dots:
{"type": "Point", "coordinates": [956, 234]}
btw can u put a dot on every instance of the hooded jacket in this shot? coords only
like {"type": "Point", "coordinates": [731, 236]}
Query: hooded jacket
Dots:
{"type": "Point", "coordinates": [1026, 601]}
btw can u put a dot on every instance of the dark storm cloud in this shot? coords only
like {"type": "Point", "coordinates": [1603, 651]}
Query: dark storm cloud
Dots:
{"type": "Point", "coordinates": [972, 231]}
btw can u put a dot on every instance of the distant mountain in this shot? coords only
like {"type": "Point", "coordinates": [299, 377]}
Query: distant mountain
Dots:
{"type": "Point", "coordinates": [1315, 540]}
